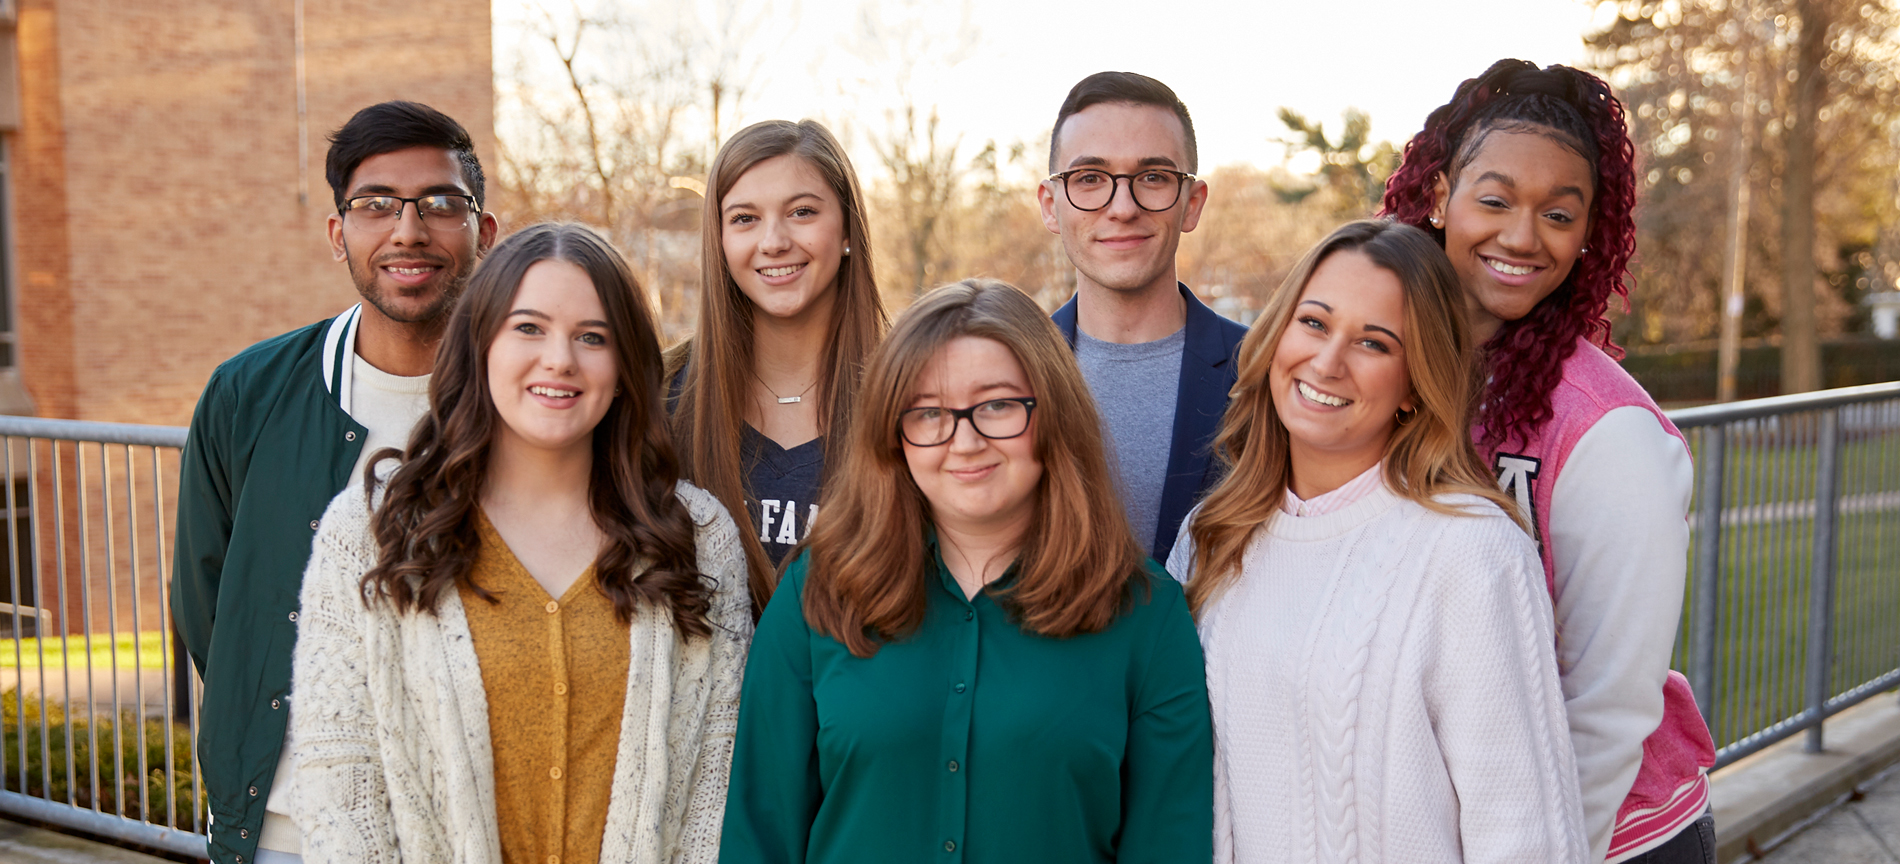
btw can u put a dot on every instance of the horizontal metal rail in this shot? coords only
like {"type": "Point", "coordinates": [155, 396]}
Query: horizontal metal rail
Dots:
{"type": "Point", "coordinates": [1708, 415]}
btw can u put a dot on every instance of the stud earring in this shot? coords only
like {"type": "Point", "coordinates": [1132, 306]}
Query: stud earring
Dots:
{"type": "Point", "coordinates": [1403, 416]}
{"type": "Point", "coordinates": [847, 249]}
{"type": "Point", "coordinates": [1438, 221]}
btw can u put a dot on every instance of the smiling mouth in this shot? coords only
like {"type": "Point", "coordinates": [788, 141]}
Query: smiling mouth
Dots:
{"type": "Point", "coordinates": [1509, 269]}
{"type": "Point", "coordinates": [552, 393]}
{"type": "Point", "coordinates": [781, 271]}
{"type": "Point", "coordinates": [1320, 397]}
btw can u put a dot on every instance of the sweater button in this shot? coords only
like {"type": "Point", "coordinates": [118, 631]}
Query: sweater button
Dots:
{"type": "Point", "coordinates": [554, 773]}
{"type": "Point", "coordinates": [959, 687]}
{"type": "Point", "coordinates": [553, 607]}
{"type": "Point", "coordinates": [949, 845]}
{"type": "Point", "coordinates": [953, 766]}
{"type": "Point", "coordinates": [968, 615]}
{"type": "Point", "coordinates": [560, 688]}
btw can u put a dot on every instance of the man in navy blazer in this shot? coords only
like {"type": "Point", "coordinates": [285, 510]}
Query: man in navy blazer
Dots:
{"type": "Point", "coordinates": [1121, 192]}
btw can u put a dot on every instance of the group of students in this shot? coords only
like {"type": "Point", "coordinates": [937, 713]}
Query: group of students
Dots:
{"type": "Point", "coordinates": [1420, 610]}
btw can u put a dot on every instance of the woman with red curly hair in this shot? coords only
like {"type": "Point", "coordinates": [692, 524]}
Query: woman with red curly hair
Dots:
{"type": "Point", "coordinates": [1527, 178]}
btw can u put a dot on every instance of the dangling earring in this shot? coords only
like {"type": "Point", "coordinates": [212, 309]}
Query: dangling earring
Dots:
{"type": "Point", "coordinates": [1438, 221]}
{"type": "Point", "coordinates": [1403, 416]}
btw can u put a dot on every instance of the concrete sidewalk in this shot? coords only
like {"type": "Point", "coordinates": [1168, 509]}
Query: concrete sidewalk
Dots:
{"type": "Point", "coordinates": [1865, 829]}
{"type": "Point", "coordinates": [1787, 805]}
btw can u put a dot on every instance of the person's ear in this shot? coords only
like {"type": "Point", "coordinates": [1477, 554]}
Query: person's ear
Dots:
{"type": "Point", "coordinates": [1441, 198]}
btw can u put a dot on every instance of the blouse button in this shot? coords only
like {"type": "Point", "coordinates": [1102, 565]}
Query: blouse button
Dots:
{"type": "Point", "coordinates": [554, 773]}
{"type": "Point", "coordinates": [349, 436]}
{"type": "Point", "coordinates": [560, 688]}
{"type": "Point", "coordinates": [553, 607]}
{"type": "Point", "coordinates": [313, 524]}
{"type": "Point", "coordinates": [273, 703]}
{"type": "Point", "coordinates": [953, 766]}
{"type": "Point", "coordinates": [949, 845]}
{"type": "Point", "coordinates": [968, 614]}
{"type": "Point", "coordinates": [293, 616]}
{"type": "Point", "coordinates": [959, 686]}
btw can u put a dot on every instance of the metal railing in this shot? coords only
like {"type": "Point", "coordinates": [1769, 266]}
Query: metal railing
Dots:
{"type": "Point", "coordinates": [1792, 613]}
{"type": "Point", "coordinates": [97, 735]}
{"type": "Point", "coordinates": [1793, 606]}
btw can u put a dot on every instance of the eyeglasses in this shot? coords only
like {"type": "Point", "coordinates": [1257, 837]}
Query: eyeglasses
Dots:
{"type": "Point", "coordinates": [996, 419]}
{"type": "Point", "coordinates": [380, 212]}
{"type": "Point", "coordinates": [1154, 189]}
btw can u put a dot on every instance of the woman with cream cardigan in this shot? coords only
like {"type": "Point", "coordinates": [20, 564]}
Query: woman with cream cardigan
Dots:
{"type": "Point", "coordinates": [528, 647]}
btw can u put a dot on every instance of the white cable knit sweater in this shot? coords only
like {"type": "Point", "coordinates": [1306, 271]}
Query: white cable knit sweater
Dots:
{"type": "Point", "coordinates": [1384, 689]}
{"type": "Point", "coordinates": [393, 756]}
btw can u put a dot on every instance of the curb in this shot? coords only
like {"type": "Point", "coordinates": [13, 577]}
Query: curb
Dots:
{"type": "Point", "coordinates": [1759, 799]}
{"type": "Point", "coordinates": [25, 844]}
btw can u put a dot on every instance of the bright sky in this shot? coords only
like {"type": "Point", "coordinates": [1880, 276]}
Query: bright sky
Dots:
{"type": "Point", "coordinates": [998, 69]}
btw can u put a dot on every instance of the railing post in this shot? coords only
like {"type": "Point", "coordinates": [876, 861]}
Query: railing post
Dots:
{"type": "Point", "coordinates": [1708, 569]}
{"type": "Point", "coordinates": [1827, 476]}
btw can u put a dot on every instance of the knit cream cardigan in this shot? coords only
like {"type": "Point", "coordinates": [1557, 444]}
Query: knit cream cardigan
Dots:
{"type": "Point", "coordinates": [393, 759]}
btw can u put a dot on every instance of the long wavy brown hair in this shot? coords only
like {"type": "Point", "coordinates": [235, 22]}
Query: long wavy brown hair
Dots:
{"type": "Point", "coordinates": [709, 416]}
{"type": "Point", "coordinates": [425, 529]}
{"type": "Point", "coordinates": [1429, 456]}
{"type": "Point", "coordinates": [1078, 558]}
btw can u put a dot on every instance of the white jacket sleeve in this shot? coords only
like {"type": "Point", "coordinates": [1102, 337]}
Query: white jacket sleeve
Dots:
{"type": "Point", "coordinates": [1180, 561]}
{"type": "Point", "coordinates": [342, 802]}
{"type": "Point", "coordinates": [1619, 540]}
{"type": "Point", "coordinates": [721, 557]}
{"type": "Point", "coordinates": [1490, 679]}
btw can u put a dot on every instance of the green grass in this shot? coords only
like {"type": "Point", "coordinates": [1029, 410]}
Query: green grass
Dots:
{"type": "Point", "coordinates": [62, 760]}
{"type": "Point", "coordinates": [72, 652]}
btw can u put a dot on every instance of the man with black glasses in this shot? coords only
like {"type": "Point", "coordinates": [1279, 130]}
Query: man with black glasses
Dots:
{"type": "Point", "coordinates": [288, 423]}
{"type": "Point", "coordinates": [1121, 192]}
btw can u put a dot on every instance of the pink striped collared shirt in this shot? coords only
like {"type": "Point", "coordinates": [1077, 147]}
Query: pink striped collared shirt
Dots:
{"type": "Point", "coordinates": [1346, 495]}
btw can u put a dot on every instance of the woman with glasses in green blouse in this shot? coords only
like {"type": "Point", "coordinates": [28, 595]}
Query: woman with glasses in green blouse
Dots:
{"type": "Point", "coordinates": [973, 661]}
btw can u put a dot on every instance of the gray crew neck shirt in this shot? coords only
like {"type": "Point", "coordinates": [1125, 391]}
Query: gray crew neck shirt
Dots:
{"type": "Point", "coordinates": [1135, 388]}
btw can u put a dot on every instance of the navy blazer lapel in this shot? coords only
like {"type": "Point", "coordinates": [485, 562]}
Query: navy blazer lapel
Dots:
{"type": "Point", "coordinates": [1207, 374]}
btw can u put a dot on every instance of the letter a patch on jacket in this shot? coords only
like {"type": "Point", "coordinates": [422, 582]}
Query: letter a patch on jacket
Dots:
{"type": "Point", "coordinates": [1515, 476]}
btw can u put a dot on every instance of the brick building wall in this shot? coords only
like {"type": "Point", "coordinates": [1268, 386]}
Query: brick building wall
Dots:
{"type": "Point", "coordinates": [168, 209]}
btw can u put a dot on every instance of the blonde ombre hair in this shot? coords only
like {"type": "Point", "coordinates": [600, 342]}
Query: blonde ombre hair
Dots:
{"type": "Point", "coordinates": [1077, 559]}
{"type": "Point", "coordinates": [1428, 456]}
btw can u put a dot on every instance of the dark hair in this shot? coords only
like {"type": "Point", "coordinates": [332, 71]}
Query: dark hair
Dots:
{"type": "Point", "coordinates": [1428, 455]}
{"type": "Point", "coordinates": [1126, 87]}
{"type": "Point", "coordinates": [425, 530]}
{"type": "Point", "coordinates": [1077, 560]}
{"type": "Point", "coordinates": [717, 360]}
{"type": "Point", "coordinates": [398, 125]}
{"type": "Point", "coordinates": [1524, 360]}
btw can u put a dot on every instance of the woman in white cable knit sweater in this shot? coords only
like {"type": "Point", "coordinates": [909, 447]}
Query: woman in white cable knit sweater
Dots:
{"type": "Point", "coordinates": [529, 646]}
{"type": "Point", "coordinates": [1380, 657]}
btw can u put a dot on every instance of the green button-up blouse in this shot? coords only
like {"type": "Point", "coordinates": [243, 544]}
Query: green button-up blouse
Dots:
{"type": "Point", "coordinates": [973, 740]}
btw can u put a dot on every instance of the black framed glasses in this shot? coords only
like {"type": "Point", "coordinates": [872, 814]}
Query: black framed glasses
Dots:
{"type": "Point", "coordinates": [996, 419]}
{"type": "Point", "coordinates": [445, 211]}
{"type": "Point", "coordinates": [1154, 189]}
